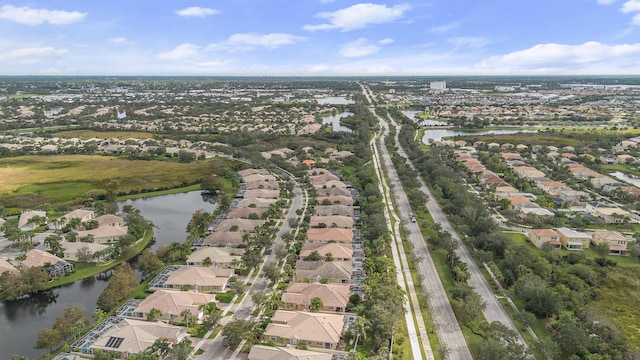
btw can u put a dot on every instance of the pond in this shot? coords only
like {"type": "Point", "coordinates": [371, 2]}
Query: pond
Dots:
{"type": "Point", "coordinates": [334, 120]}
{"type": "Point", "coordinates": [335, 100]}
{"type": "Point", "coordinates": [21, 320]}
{"type": "Point", "coordinates": [437, 135]}
{"type": "Point", "coordinates": [411, 114]}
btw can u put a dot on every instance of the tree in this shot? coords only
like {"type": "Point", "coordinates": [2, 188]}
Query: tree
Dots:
{"type": "Point", "coordinates": [48, 339]}
{"type": "Point", "coordinates": [501, 343]}
{"type": "Point", "coordinates": [602, 249]}
{"type": "Point", "coordinates": [236, 331]}
{"type": "Point", "coordinates": [314, 256]}
{"type": "Point", "coordinates": [207, 262]}
{"type": "Point", "coordinates": [98, 315]}
{"type": "Point", "coordinates": [84, 255]}
{"type": "Point", "coordinates": [121, 285]}
{"type": "Point", "coordinates": [150, 263]}
{"type": "Point", "coordinates": [316, 304]}
{"type": "Point", "coordinates": [187, 317]}
{"type": "Point", "coordinates": [328, 257]}
{"type": "Point", "coordinates": [154, 315]}
{"type": "Point", "coordinates": [27, 280]}
{"type": "Point", "coordinates": [271, 272]}
{"type": "Point", "coordinates": [72, 317]}
{"type": "Point", "coordinates": [180, 351]}
{"type": "Point", "coordinates": [53, 242]}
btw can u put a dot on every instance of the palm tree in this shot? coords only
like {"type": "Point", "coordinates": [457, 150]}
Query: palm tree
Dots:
{"type": "Point", "coordinates": [360, 326]}
{"type": "Point", "coordinates": [154, 315]}
{"type": "Point", "coordinates": [186, 317]}
{"type": "Point", "coordinates": [207, 262]}
{"type": "Point", "coordinates": [53, 242]}
{"type": "Point", "coordinates": [316, 304]}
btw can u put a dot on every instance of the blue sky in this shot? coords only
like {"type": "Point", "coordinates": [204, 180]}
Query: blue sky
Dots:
{"type": "Point", "coordinates": [319, 37]}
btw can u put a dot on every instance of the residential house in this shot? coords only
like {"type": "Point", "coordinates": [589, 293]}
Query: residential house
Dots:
{"type": "Point", "coordinates": [240, 225]}
{"type": "Point", "coordinates": [261, 352]}
{"type": "Point", "coordinates": [335, 200]}
{"type": "Point", "coordinates": [325, 235]}
{"type": "Point", "coordinates": [612, 215]}
{"type": "Point", "coordinates": [262, 193]}
{"type": "Point", "coordinates": [326, 210]}
{"type": "Point", "coordinates": [256, 202]}
{"type": "Point", "coordinates": [332, 272]}
{"type": "Point", "coordinates": [539, 237]}
{"type": "Point", "coordinates": [616, 241]}
{"type": "Point", "coordinates": [258, 177]}
{"type": "Point", "coordinates": [339, 251]}
{"type": "Point", "coordinates": [331, 221]}
{"type": "Point", "coordinates": [226, 258]}
{"type": "Point", "coordinates": [172, 303]}
{"type": "Point", "coordinates": [200, 279]}
{"type": "Point", "coordinates": [247, 172]}
{"type": "Point", "coordinates": [25, 222]}
{"type": "Point", "coordinates": [317, 330]}
{"type": "Point", "coordinates": [321, 179]}
{"type": "Point", "coordinates": [331, 184]}
{"type": "Point", "coordinates": [104, 235]}
{"type": "Point", "coordinates": [81, 214]}
{"type": "Point", "coordinates": [130, 337]}
{"type": "Point", "coordinates": [71, 249]}
{"type": "Point", "coordinates": [109, 220]}
{"type": "Point", "coordinates": [224, 238]}
{"type": "Point", "coordinates": [335, 297]}
{"type": "Point", "coordinates": [54, 265]}
{"type": "Point", "coordinates": [6, 266]}
{"type": "Point", "coordinates": [245, 213]}
{"type": "Point", "coordinates": [573, 240]}
{"type": "Point", "coordinates": [335, 191]}
{"type": "Point", "coordinates": [269, 185]}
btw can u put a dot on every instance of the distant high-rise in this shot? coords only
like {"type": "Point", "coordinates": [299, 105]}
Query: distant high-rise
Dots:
{"type": "Point", "coordinates": [438, 85]}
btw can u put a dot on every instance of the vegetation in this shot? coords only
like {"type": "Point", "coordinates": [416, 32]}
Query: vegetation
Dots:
{"type": "Point", "coordinates": [121, 285]}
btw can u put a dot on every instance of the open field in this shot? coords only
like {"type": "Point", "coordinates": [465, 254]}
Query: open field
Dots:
{"type": "Point", "coordinates": [31, 181]}
{"type": "Point", "coordinates": [90, 134]}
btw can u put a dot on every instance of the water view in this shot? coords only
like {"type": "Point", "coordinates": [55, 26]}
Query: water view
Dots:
{"type": "Point", "coordinates": [21, 320]}
{"type": "Point", "coordinates": [335, 100]}
{"type": "Point", "coordinates": [411, 114]}
{"type": "Point", "coordinates": [334, 120]}
{"type": "Point", "coordinates": [437, 135]}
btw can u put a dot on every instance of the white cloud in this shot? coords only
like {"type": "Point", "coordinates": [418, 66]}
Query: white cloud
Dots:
{"type": "Point", "coordinates": [31, 55]}
{"type": "Point", "coordinates": [180, 52]}
{"type": "Point", "coordinates": [30, 16]}
{"type": "Point", "coordinates": [386, 41]}
{"type": "Point", "coordinates": [249, 41]}
{"type": "Point", "coordinates": [118, 40]}
{"type": "Point", "coordinates": [359, 16]}
{"type": "Point", "coordinates": [318, 68]}
{"type": "Point", "coordinates": [358, 48]}
{"type": "Point", "coordinates": [438, 29]}
{"type": "Point", "coordinates": [562, 56]}
{"type": "Point", "coordinates": [211, 63]}
{"type": "Point", "coordinates": [630, 6]}
{"type": "Point", "coordinates": [196, 11]}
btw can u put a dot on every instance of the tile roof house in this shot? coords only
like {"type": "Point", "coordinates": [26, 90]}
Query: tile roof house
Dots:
{"type": "Point", "coordinates": [245, 213]}
{"type": "Point", "coordinates": [240, 225]}
{"type": "Point", "coordinates": [71, 249]}
{"type": "Point", "coordinates": [325, 235]}
{"type": "Point", "coordinates": [130, 337]}
{"type": "Point", "coordinates": [38, 258]}
{"type": "Point", "coordinates": [105, 235]}
{"type": "Point", "coordinates": [109, 220]}
{"type": "Point", "coordinates": [224, 238]}
{"type": "Point", "coordinates": [82, 214]}
{"type": "Point", "coordinates": [200, 279]}
{"type": "Point", "coordinates": [339, 251]}
{"type": "Point", "coordinates": [538, 237]}
{"type": "Point", "coordinates": [172, 304]}
{"type": "Point", "coordinates": [335, 297]}
{"type": "Point", "coordinates": [260, 184]}
{"type": "Point", "coordinates": [256, 202]}
{"type": "Point", "coordinates": [247, 172]}
{"type": "Point", "coordinates": [335, 200]}
{"type": "Point", "coordinates": [317, 330]}
{"type": "Point", "coordinates": [23, 220]}
{"type": "Point", "coordinates": [331, 221]}
{"type": "Point", "coordinates": [261, 352]}
{"type": "Point", "coordinates": [332, 192]}
{"type": "Point", "coordinates": [262, 193]}
{"type": "Point", "coordinates": [331, 184]}
{"type": "Point", "coordinates": [220, 257]}
{"type": "Point", "coordinates": [573, 240]}
{"type": "Point", "coordinates": [325, 210]}
{"type": "Point", "coordinates": [616, 241]}
{"type": "Point", "coordinates": [258, 177]}
{"type": "Point", "coordinates": [333, 272]}
{"type": "Point", "coordinates": [6, 266]}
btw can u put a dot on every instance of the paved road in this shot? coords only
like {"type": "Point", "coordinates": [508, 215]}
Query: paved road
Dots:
{"type": "Point", "coordinates": [215, 348]}
{"type": "Point", "coordinates": [494, 311]}
{"type": "Point", "coordinates": [403, 274]}
{"type": "Point", "coordinates": [447, 328]}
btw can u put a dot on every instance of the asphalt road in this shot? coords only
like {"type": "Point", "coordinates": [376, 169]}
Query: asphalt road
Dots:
{"type": "Point", "coordinates": [494, 311]}
{"type": "Point", "coordinates": [449, 333]}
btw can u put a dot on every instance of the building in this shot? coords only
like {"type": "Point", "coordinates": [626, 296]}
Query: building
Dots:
{"type": "Point", "coordinates": [335, 297]}
{"type": "Point", "coordinates": [200, 279]}
{"type": "Point", "coordinates": [616, 241]}
{"type": "Point", "coordinates": [52, 264]}
{"type": "Point", "coordinates": [539, 237]}
{"type": "Point", "coordinates": [438, 85]}
{"type": "Point", "coordinates": [171, 304]}
{"type": "Point", "coordinates": [261, 352]}
{"type": "Point", "coordinates": [104, 235]}
{"type": "Point", "coordinates": [220, 257]}
{"type": "Point", "coordinates": [26, 220]}
{"type": "Point", "coordinates": [317, 330]}
{"type": "Point", "coordinates": [573, 240]}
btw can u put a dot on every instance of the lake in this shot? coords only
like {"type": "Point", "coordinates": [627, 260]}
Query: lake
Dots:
{"type": "Point", "coordinates": [334, 120]}
{"type": "Point", "coordinates": [437, 135]}
{"type": "Point", "coordinates": [335, 100]}
{"type": "Point", "coordinates": [411, 114]}
{"type": "Point", "coordinates": [21, 320]}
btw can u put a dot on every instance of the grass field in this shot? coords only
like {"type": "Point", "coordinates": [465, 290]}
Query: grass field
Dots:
{"type": "Point", "coordinates": [90, 134]}
{"type": "Point", "coordinates": [32, 181]}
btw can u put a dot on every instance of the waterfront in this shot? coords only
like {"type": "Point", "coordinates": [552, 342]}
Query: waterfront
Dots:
{"type": "Point", "coordinates": [21, 320]}
{"type": "Point", "coordinates": [334, 120]}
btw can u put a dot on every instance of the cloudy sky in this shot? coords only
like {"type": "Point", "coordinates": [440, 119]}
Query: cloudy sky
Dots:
{"type": "Point", "coordinates": [319, 37]}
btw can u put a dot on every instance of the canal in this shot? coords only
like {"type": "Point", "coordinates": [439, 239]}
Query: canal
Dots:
{"type": "Point", "coordinates": [21, 320]}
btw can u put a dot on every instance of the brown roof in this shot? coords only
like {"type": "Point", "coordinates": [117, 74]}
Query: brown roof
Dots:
{"type": "Point", "coordinates": [321, 269]}
{"type": "Point", "coordinates": [262, 193]}
{"type": "Point", "coordinates": [36, 258]}
{"type": "Point", "coordinates": [345, 222]}
{"type": "Point", "coordinates": [199, 276]}
{"type": "Point", "coordinates": [337, 199]}
{"type": "Point", "coordinates": [243, 213]}
{"type": "Point", "coordinates": [332, 295]}
{"type": "Point", "coordinates": [330, 234]}
{"type": "Point", "coordinates": [338, 250]}
{"type": "Point", "coordinates": [244, 225]}
{"type": "Point", "coordinates": [306, 326]}
{"type": "Point", "coordinates": [261, 352]}
{"type": "Point", "coordinates": [174, 302]}
{"type": "Point", "coordinates": [336, 191]}
{"type": "Point", "coordinates": [344, 210]}
{"type": "Point", "coordinates": [226, 238]}
{"type": "Point", "coordinates": [260, 184]}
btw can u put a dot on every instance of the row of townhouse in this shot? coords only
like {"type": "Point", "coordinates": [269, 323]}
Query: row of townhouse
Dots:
{"type": "Point", "coordinates": [578, 240]}
{"type": "Point", "coordinates": [329, 268]}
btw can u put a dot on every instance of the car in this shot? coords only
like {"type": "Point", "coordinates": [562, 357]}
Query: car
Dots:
{"type": "Point", "coordinates": [413, 218]}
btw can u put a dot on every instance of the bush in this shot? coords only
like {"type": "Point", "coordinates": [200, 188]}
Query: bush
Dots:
{"type": "Point", "coordinates": [224, 297]}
